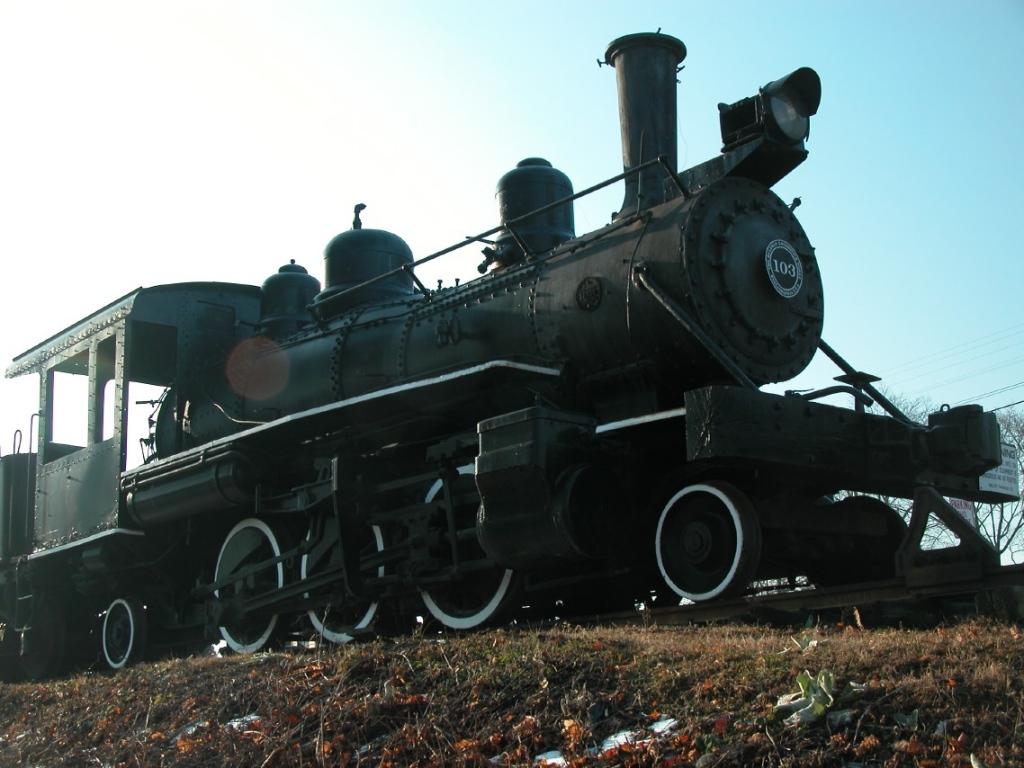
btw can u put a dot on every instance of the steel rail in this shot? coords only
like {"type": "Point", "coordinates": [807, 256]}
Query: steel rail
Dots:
{"type": "Point", "coordinates": [812, 599]}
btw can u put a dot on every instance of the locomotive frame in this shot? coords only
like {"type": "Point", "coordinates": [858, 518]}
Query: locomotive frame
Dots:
{"type": "Point", "coordinates": [580, 429]}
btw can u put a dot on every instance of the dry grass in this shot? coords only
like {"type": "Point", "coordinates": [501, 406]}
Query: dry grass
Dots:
{"type": "Point", "coordinates": [947, 696]}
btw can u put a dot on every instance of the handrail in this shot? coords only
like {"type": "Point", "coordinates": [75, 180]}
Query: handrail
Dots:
{"type": "Point", "coordinates": [641, 276]}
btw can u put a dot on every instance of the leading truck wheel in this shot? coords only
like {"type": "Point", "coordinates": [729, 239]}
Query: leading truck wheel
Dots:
{"type": "Point", "coordinates": [708, 542]}
{"type": "Point", "coordinates": [124, 632]}
{"type": "Point", "coordinates": [249, 543]}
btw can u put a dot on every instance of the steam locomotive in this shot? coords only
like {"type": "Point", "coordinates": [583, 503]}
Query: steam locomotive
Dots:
{"type": "Point", "coordinates": [579, 429]}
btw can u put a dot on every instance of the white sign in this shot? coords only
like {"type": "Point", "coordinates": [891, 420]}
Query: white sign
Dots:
{"type": "Point", "coordinates": [965, 509]}
{"type": "Point", "coordinates": [1004, 478]}
{"type": "Point", "coordinates": [785, 269]}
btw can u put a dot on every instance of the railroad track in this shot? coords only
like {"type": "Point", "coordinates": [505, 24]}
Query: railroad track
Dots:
{"type": "Point", "coordinates": [803, 600]}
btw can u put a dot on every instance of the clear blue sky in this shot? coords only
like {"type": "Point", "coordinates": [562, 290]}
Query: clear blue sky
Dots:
{"type": "Point", "coordinates": [143, 143]}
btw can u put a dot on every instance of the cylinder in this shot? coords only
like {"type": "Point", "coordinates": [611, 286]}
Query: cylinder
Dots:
{"type": "Point", "coordinates": [540, 501]}
{"type": "Point", "coordinates": [645, 73]}
{"type": "Point", "coordinates": [226, 482]}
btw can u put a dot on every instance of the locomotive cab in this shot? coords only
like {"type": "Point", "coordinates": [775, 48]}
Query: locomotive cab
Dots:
{"type": "Point", "coordinates": [101, 382]}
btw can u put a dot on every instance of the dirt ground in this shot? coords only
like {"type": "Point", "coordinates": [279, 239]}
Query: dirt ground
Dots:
{"type": "Point", "coordinates": [638, 696]}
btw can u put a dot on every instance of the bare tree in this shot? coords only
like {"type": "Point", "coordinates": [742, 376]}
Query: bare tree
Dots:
{"type": "Point", "coordinates": [1001, 524]}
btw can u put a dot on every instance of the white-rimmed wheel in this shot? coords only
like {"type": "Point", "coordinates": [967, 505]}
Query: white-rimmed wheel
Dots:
{"type": "Point", "coordinates": [250, 542]}
{"type": "Point", "coordinates": [478, 596]}
{"type": "Point", "coordinates": [335, 623]}
{"type": "Point", "coordinates": [124, 632]}
{"type": "Point", "coordinates": [708, 542]}
{"type": "Point", "coordinates": [472, 601]}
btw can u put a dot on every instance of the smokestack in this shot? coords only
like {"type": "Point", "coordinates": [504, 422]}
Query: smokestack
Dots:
{"type": "Point", "coordinates": [645, 72]}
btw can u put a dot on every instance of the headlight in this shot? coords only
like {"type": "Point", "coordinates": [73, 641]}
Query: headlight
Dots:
{"type": "Point", "coordinates": [792, 100]}
{"type": "Point", "coordinates": [780, 111]}
{"type": "Point", "coordinates": [788, 118]}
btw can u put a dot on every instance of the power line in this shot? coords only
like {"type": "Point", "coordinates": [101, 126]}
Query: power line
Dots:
{"type": "Point", "coordinates": [994, 392]}
{"type": "Point", "coordinates": [942, 354]}
{"type": "Point", "coordinates": [1008, 405]}
{"type": "Point", "coordinates": [970, 374]}
{"type": "Point", "coordinates": [958, 361]}
{"type": "Point", "coordinates": [955, 354]}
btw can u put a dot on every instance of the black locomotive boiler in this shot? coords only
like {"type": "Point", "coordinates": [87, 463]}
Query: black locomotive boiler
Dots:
{"type": "Point", "coordinates": [579, 429]}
